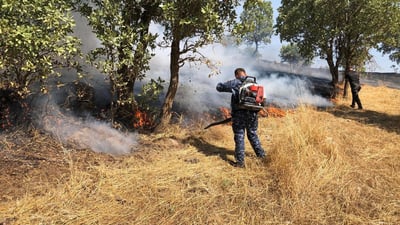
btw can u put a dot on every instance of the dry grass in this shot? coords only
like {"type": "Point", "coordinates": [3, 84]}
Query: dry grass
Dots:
{"type": "Point", "coordinates": [334, 166]}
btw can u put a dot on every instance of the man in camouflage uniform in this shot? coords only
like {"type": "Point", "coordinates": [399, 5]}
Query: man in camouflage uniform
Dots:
{"type": "Point", "coordinates": [242, 120]}
{"type": "Point", "coordinates": [354, 80]}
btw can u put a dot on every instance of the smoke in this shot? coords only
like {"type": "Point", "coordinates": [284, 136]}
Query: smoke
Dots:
{"type": "Point", "coordinates": [290, 91]}
{"type": "Point", "coordinates": [82, 133]}
{"type": "Point", "coordinates": [81, 129]}
{"type": "Point", "coordinates": [197, 93]}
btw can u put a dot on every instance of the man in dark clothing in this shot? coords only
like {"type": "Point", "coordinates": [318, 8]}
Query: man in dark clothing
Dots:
{"type": "Point", "coordinates": [354, 80]}
{"type": "Point", "coordinates": [242, 120]}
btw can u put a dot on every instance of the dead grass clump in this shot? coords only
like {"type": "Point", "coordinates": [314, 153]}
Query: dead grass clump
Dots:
{"type": "Point", "coordinates": [331, 171]}
{"type": "Point", "coordinates": [381, 99]}
{"type": "Point", "coordinates": [169, 190]}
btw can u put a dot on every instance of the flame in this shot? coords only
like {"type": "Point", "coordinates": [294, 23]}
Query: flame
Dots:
{"type": "Point", "coordinates": [141, 119]}
{"type": "Point", "coordinates": [268, 111]}
{"type": "Point", "coordinates": [272, 111]}
{"type": "Point", "coordinates": [275, 112]}
{"type": "Point", "coordinates": [226, 113]}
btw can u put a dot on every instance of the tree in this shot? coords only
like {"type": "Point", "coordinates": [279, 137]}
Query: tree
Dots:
{"type": "Point", "coordinates": [123, 29]}
{"type": "Point", "coordinates": [314, 30]}
{"type": "Point", "coordinates": [391, 43]}
{"type": "Point", "coordinates": [365, 30]}
{"type": "Point", "coordinates": [291, 54]}
{"type": "Point", "coordinates": [35, 42]}
{"type": "Point", "coordinates": [189, 25]}
{"type": "Point", "coordinates": [341, 32]}
{"type": "Point", "coordinates": [392, 50]}
{"type": "Point", "coordinates": [256, 23]}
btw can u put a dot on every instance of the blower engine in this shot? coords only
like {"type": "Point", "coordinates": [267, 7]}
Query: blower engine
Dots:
{"type": "Point", "coordinates": [251, 94]}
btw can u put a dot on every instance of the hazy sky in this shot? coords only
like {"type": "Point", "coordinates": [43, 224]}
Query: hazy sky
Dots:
{"type": "Point", "coordinates": [271, 51]}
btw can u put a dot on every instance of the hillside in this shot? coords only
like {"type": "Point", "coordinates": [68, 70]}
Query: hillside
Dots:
{"type": "Point", "coordinates": [326, 166]}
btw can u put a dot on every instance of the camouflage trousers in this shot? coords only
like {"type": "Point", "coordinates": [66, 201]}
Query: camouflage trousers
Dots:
{"type": "Point", "coordinates": [246, 121]}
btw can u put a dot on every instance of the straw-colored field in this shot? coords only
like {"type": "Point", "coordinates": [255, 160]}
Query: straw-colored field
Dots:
{"type": "Point", "coordinates": [330, 166]}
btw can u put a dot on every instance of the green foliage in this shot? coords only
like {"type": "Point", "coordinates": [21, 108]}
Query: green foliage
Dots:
{"type": "Point", "coordinates": [342, 32]}
{"type": "Point", "coordinates": [35, 41]}
{"type": "Point", "coordinates": [311, 25]}
{"type": "Point", "coordinates": [126, 43]}
{"type": "Point", "coordinates": [151, 92]}
{"type": "Point", "coordinates": [148, 98]}
{"type": "Point", "coordinates": [391, 42]}
{"type": "Point", "coordinates": [291, 54]}
{"type": "Point", "coordinates": [196, 23]}
{"type": "Point", "coordinates": [256, 23]}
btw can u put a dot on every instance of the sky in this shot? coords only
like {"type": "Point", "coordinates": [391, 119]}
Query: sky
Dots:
{"type": "Point", "coordinates": [271, 52]}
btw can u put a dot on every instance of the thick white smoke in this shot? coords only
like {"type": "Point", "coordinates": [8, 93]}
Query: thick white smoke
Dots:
{"type": "Point", "coordinates": [197, 91]}
{"type": "Point", "coordinates": [289, 92]}
{"type": "Point", "coordinates": [83, 133]}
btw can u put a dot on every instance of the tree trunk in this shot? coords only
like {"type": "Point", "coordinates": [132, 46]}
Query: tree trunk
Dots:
{"type": "Point", "coordinates": [165, 116]}
{"type": "Point", "coordinates": [346, 82]}
{"type": "Point", "coordinates": [333, 69]}
{"type": "Point", "coordinates": [256, 50]}
{"type": "Point", "coordinates": [345, 88]}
